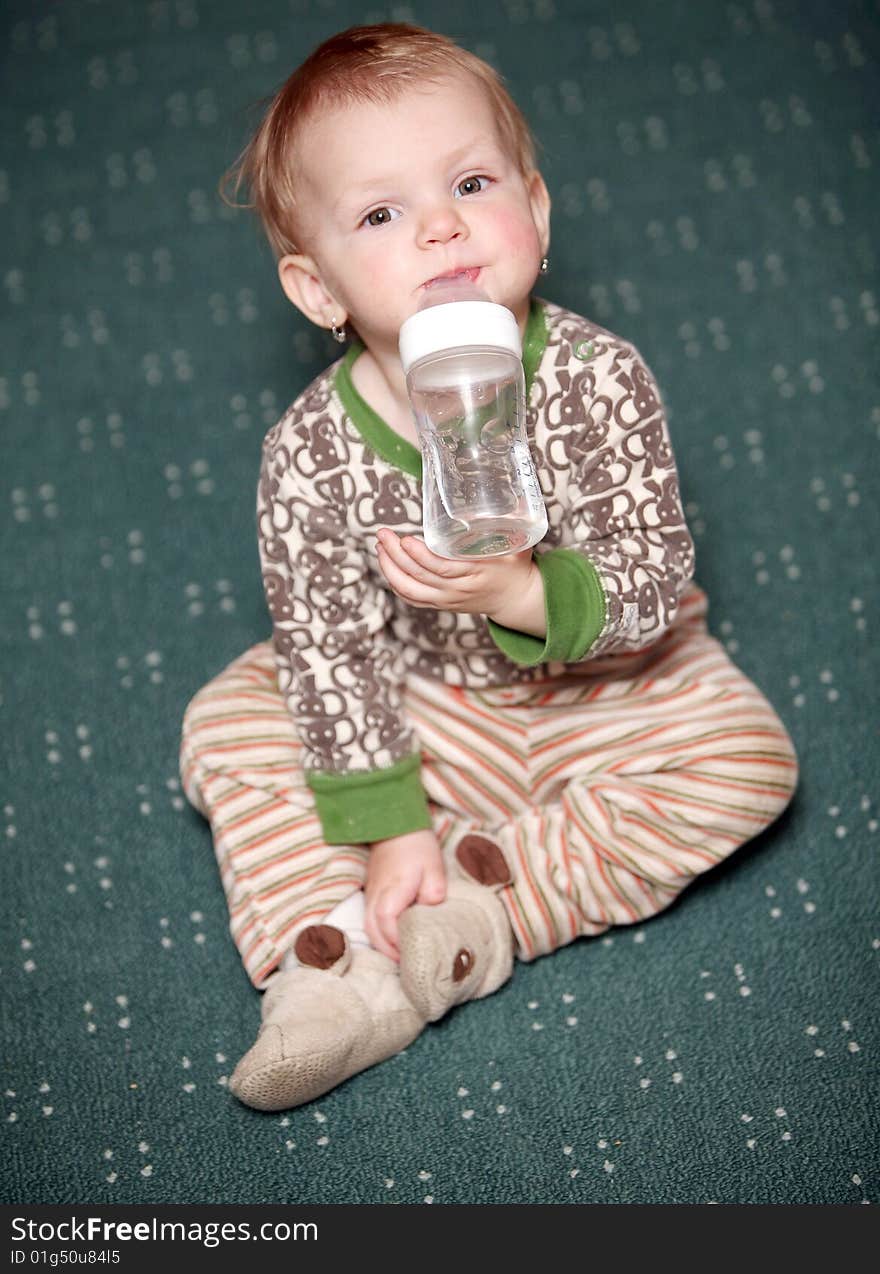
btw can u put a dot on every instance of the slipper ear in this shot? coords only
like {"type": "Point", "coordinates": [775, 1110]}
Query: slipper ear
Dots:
{"type": "Point", "coordinates": [323, 947]}
{"type": "Point", "coordinates": [482, 861]}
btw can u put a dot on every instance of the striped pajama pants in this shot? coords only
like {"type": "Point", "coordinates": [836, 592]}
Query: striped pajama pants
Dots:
{"type": "Point", "coordinates": [608, 790]}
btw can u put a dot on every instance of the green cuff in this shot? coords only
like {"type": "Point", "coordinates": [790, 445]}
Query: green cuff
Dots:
{"type": "Point", "coordinates": [367, 805]}
{"type": "Point", "coordinates": [574, 606]}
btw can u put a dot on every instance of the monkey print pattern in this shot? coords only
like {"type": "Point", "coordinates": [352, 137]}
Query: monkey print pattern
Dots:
{"type": "Point", "coordinates": [344, 642]}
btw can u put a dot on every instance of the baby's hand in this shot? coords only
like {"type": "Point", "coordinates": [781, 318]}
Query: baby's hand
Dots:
{"type": "Point", "coordinates": [401, 870]}
{"type": "Point", "coordinates": [505, 588]}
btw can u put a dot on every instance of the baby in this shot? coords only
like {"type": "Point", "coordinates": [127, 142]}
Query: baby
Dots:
{"type": "Point", "coordinates": [439, 765]}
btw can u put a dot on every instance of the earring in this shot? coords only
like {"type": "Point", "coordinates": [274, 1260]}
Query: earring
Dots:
{"type": "Point", "coordinates": [545, 265]}
{"type": "Point", "coordinates": [338, 332]}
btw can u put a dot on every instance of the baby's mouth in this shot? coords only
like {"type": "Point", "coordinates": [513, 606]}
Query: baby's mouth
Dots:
{"type": "Point", "coordinates": [455, 276]}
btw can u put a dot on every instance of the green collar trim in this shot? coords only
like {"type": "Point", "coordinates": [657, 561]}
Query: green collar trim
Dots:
{"type": "Point", "coordinates": [381, 437]}
{"type": "Point", "coordinates": [535, 342]}
{"type": "Point", "coordinates": [369, 424]}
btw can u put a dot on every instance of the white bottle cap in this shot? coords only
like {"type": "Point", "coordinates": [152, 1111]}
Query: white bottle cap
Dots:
{"type": "Point", "coordinates": [458, 323]}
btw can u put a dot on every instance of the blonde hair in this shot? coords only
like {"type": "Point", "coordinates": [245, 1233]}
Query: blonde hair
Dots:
{"type": "Point", "coordinates": [367, 63]}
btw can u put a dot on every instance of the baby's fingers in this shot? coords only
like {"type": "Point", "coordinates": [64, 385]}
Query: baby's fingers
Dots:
{"type": "Point", "coordinates": [413, 556]}
{"type": "Point", "coordinates": [381, 924]}
{"type": "Point", "coordinates": [378, 939]}
{"type": "Point", "coordinates": [403, 582]}
{"type": "Point", "coordinates": [432, 563]}
{"type": "Point", "coordinates": [433, 887]}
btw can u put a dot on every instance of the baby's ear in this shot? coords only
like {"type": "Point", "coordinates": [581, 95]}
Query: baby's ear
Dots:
{"type": "Point", "coordinates": [539, 198]}
{"type": "Point", "coordinates": [304, 288]}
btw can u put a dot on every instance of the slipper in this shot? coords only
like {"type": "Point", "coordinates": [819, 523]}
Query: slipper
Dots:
{"type": "Point", "coordinates": [332, 1015]}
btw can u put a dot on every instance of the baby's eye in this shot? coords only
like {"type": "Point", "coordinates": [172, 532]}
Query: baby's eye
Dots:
{"type": "Point", "coordinates": [471, 186]}
{"type": "Point", "coordinates": [379, 217]}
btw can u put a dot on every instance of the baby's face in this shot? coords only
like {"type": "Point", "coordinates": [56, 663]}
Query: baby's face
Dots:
{"type": "Point", "coordinates": [395, 195]}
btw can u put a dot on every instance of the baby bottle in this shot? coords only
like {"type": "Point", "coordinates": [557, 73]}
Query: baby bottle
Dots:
{"type": "Point", "coordinates": [462, 356]}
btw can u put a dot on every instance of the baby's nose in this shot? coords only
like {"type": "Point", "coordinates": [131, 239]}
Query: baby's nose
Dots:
{"type": "Point", "coordinates": [441, 224]}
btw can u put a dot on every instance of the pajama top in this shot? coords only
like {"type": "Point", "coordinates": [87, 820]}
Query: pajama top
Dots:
{"type": "Point", "coordinates": [615, 562]}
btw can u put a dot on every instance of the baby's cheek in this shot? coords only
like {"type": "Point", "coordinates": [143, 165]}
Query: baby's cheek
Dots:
{"type": "Point", "coordinates": [375, 273]}
{"type": "Point", "coordinates": [516, 232]}
{"type": "Point", "coordinates": [372, 273]}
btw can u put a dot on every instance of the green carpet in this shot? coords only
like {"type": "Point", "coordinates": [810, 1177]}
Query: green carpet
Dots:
{"type": "Point", "coordinates": [714, 171]}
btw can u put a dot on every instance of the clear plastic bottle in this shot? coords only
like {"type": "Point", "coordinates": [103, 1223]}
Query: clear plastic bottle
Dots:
{"type": "Point", "coordinates": [462, 356]}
